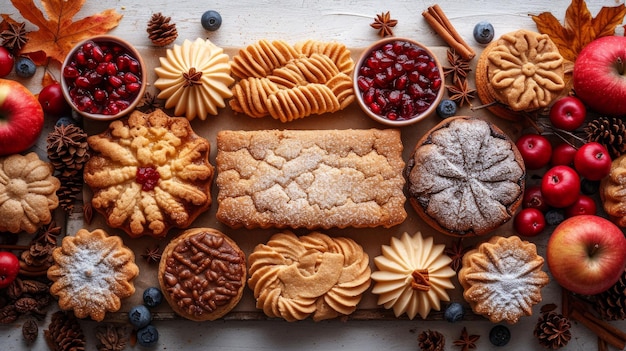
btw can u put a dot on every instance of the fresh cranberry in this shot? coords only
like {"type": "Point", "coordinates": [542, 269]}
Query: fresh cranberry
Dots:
{"type": "Point", "coordinates": [147, 177]}
{"type": "Point", "coordinates": [399, 80]}
{"type": "Point", "coordinates": [103, 78]}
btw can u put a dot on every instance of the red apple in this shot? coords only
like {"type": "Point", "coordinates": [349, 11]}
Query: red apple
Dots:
{"type": "Point", "coordinates": [592, 161]}
{"type": "Point", "coordinates": [21, 117]}
{"type": "Point", "coordinates": [563, 154]}
{"type": "Point", "coordinates": [567, 113]}
{"type": "Point", "coordinates": [535, 149]}
{"type": "Point", "coordinates": [560, 186]}
{"type": "Point", "coordinates": [9, 268]}
{"type": "Point", "coordinates": [599, 76]}
{"type": "Point", "coordinates": [586, 254]}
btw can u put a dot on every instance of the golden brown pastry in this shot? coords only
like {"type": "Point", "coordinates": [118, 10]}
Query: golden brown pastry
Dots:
{"type": "Point", "coordinates": [92, 273]}
{"type": "Point", "coordinates": [149, 173]}
{"type": "Point", "coordinates": [465, 177]}
{"type": "Point", "coordinates": [613, 191]}
{"type": "Point", "coordinates": [412, 275]}
{"type": "Point", "coordinates": [202, 274]}
{"type": "Point", "coordinates": [27, 193]}
{"type": "Point", "coordinates": [194, 78]}
{"type": "Point", "coordinates": [312, 275]}
{"type": "Point", "coordinates": [310, 178]}
{"type": "Point", "coordinates": [522, 72]}
{"type": "Point", "coordinates": [502, 278]}
{"type": "Point", "coordinates": [288, 84]}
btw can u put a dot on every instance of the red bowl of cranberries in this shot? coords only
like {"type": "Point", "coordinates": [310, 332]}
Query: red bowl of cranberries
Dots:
{"type": "Point", "coordinates": [398, 81]}
{"type": "Point", "coordinates": [103, 77]}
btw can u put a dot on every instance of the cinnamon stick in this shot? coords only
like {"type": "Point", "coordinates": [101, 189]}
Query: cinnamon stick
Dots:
{"type": "Point", "coordinates": [602, 345]}
{"type": "Point", "coordinates": [599, 328]}
{"type": "Point", "coordinates": [440, 23]}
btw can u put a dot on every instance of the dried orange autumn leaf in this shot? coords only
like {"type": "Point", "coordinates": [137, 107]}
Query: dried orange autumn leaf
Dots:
{"type": "Point", "coordinates": [580, 26]}
{"type": "Point", "coordinates": [58, 33]}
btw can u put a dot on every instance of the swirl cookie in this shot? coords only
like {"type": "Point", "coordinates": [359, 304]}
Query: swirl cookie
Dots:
{"type": "Point", "coordinates": [465, 177]}
{"type": "Point", "coordinates": [522, 72]}
{"type": "Point", "coordinates": [92, 273]}
{"type": "Point", "coordinates": [202, 274]}
{"type": "Point", "coordinates": [309, 276]}
{"type": "Point", "coordinates": [149, 173]}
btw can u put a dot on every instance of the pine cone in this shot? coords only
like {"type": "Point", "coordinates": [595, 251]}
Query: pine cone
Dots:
{"type": "Point", "coordinates": [611, 304]}
{"type": "Point", "coordinates": [431, 340]}
{"type": "Point", "coordinates": [68, 150]}
{"type": "Point", "coordinates": [64, 333]}
{"type": "Point", "coordinates": [610, 132]}
{"type": "Point", "coordinates": [160, 30]}
{"type": "Point", "coordinates": [70, 188]}
{"type": "Point", "coordinates": [553, 330]}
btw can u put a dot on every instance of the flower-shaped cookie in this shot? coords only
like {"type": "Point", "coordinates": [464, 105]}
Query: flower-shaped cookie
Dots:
{"type": "Point", "coordinates": [27, 193]}
{"type": "Point", "coordinates": [92, 272]}
{"type": "Point", "coordinates": [413, 275]}
{"type": "Point", "coordinates": [148, 173]}
{"type": "Point", "coordinates": [525, 70]}
{"type": "Point", "coordinates": [194, 78]}
{"type": "Point", "coordinates": [312, 275]}
{"type": "Point", "coordinates": [502, 278]}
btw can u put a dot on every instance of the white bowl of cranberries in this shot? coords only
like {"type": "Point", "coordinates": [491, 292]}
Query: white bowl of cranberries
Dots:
{"type": "Point", "coordinates": [398, 81]}
{"type": "Point", "coordinates": [103, 77]}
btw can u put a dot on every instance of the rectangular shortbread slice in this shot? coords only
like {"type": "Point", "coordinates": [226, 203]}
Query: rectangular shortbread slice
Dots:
{"type": "Point", "coordinates": [310, 178]}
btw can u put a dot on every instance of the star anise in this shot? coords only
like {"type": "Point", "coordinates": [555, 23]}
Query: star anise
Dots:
{"type": "Point", "coordinates": [152, 255]}
{"type": "Point", "coordinates": [459, 67]}
{"type": "Point", "coordinates": [460, 92]}
{"type": "Point", "coordinates": [14, 37]}
{"type": "Point", "coordinates": [456, 252]}
{"type": "Point", "coordinates": [149, 103]}
{"type": "Point", "coordinates": [384, 23]}
{"type": "Point", "coordinates": [192, 77]}
{"type": "Point", "coordinates": [466, 342]}
{"type": "Point", "coordinates": [48, 234]}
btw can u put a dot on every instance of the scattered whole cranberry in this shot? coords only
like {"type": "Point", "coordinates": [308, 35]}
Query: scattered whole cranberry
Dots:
{"type": "Point", "coordinates": [399, 80]}
{"type": "Point", "coordinates": [102, 78]}
{"type": "Point", "coordinates": [52, 100]}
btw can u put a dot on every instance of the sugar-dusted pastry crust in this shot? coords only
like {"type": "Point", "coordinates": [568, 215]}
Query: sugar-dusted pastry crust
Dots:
{"type": "Point", "coordinates": [202, 274]}
{"type": "Point", "coordinates": [149, 173]}
{"type": "Point", "coordinates": [310, 178]}
{"type": "Point", "coordinates": [289, 83]}
{"type": "Point", "coordinates": [412, 275]}
{"type": "Point", "coordinates": [313, 275]}
{"type": "Point", "coordinates": [502, 278]}
{"type": "Point", "coordinates": [522, 71]}
{"type": "Point", "coordinates": [465, 177]}
{"type": "Point", "coordinates": [27, 193]}
{"type": "Point", "coordinates": [92, 273]}
{"type": "Point", "coordinates": [613, 191]}
{"type": "Point", "coordinates": [194, 78]}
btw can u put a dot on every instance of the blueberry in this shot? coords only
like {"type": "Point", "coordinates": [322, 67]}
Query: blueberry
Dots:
{"type": "Point", "coordinates": [152, 297]}
{"type": "Point", "coordinates": [483, 32]}
{"type": "Point", "coordinates": [139, 316]}
{"type": "Point", "coordinates": [65, 121]}
{"type": "Point", "coordinates": [25, 67]}
{"type": "Point", "coordinates": [446, 108]}
{"type": "Point", "coordinates": [499, 335]}
{"type": "Point", "coordinates": [454, 312]}
{"type": "Point", "coordinates": [147, 336]}
{"type": "Point", "coordinates": [589, 187]}
{"type": "Point", "coordinates": [554, 217]}
{"type": "Point", "coordinates": [211, 20]}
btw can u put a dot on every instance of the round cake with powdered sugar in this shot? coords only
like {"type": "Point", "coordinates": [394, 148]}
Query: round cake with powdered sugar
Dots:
{"type": "Point", "coordinates": [465, 177]}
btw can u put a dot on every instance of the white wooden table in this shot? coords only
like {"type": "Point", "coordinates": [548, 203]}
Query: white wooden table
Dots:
{"type": "Point", "coordinates": [347, 21]}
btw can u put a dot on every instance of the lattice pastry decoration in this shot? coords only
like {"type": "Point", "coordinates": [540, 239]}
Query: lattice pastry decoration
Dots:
{"type": "Point", "coordinates": [291, 82]}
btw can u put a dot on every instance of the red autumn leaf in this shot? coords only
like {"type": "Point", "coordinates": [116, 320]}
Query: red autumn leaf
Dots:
{"type": "Point", "coordinates": [57, 33]}
{"type": "Point", "coordinates": [580, 27]}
